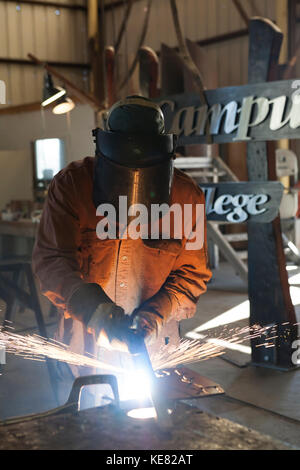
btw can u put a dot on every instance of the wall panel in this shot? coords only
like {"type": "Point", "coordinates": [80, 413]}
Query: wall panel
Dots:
{"type": "Point", "coordinates": [63, 37]}
{"type": "Point", "coordinates": [200, 19]}
{"type": "Point", "coordinates": [52, 34]}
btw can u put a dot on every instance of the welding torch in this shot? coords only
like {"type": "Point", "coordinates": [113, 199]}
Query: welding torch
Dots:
{"type": "Point", "coordinates": [128, 333]}
{"type": "Point", "coordinates": [136, 345]}
{"type": "Point", "coordinates": [121, 327]}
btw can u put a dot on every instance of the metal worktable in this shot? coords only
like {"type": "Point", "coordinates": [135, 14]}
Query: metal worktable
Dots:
{"type": "Point", "coordinates": [109, 428]}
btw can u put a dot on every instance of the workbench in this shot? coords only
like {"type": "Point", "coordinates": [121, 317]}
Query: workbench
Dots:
{"type": "Point", "coordinates": [109, 428]}
{"type": "Point", "coordinates": [17, 237]}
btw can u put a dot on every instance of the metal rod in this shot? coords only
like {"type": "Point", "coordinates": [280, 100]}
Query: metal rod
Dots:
{"type": "Point", "coordinates": [123, 25]}
{"type": "Point", "coordinates": [140, 43]}
{"type": "Point", "coordinates": [189, 63]}
{"type": "Point", "coordinates": [241, 11]}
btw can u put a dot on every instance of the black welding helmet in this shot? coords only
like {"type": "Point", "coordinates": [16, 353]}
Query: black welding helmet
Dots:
{"type": "Point", "coordinates": [134, 155]}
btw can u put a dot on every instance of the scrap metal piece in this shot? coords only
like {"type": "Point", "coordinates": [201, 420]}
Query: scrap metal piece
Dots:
{"type": "Point", "coordinates": [183, 383]}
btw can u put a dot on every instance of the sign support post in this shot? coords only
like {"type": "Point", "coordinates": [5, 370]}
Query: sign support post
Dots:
{"type": "Point", "coordinates": [259, 113]}
{"type": "Point", "coordinates": [268, 286]}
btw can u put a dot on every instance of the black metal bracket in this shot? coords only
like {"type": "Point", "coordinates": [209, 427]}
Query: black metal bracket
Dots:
{"type": "Point", "coordinates": [100, 379]}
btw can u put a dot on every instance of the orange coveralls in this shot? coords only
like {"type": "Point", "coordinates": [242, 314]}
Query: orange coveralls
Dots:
{"type": "Point", "coordinates": [68, 253]}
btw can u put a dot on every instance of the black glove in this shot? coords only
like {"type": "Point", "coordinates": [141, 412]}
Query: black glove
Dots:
{"type": "Point", "coordinates": [90, 305]}
{"type": "Point", "coordinates": [145, 323]}
{"type": "Point", "coordinates": [149, 318]}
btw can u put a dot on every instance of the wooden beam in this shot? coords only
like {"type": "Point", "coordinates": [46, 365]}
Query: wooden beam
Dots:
{"type": "Point", "coordinates": [92, 18]}
{"type": "Point", "coordinates": [223, 37]}
{"type": "Point", "coordinates": [57, 5]}
{"type": "Point", "coordinates": [29, 107]}
{"type": "Point", "coordinates": [16, 61]}
{"type": "Point", "coordinates": [220, 38]}
{"type": "Point", "coordinates": [20, 108]}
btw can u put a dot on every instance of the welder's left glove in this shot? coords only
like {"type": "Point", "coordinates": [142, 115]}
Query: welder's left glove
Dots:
{"type": "Point", "coordinates": [111, 319]}
{"type": "Point", "coordinates": [90, 305]}
{"type": "Point", "coordinates": [149, 318]}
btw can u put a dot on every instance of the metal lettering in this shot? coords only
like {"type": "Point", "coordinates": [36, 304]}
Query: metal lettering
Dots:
{"type": "Point", "coordinates": [243, 205]}
{"type": "Point", "coordinates": [221, 202]}
{"type": "Point", "coordinates": [183, 121]}
{"type": "Point", "coordinates": [247, 111]}
{"type": "Point", "coordinates": [231, 110]}
{"type": "Point", "coordinates": [255, 201]}
{"type": "Point", "coordinates": [209, 194]}
{"type": "Point", "coordinates": [238, 214]}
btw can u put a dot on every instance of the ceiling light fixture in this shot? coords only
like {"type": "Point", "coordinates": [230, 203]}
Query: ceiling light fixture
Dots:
{"type": "Point", "coordinates": [64, 105]}
{"type": "Point", "coordinates": [50, 92]}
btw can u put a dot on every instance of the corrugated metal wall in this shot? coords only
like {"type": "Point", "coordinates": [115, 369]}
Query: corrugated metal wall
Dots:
{"type": "Point", "coordinates": [55, 34]}
{"type": "Point", "coordinates": [51, 34]}
{"type": "Point", "coordinates": [297, 41]}
{"type": "Point", "coordinates": [295, 144]}
{"type": "Point", "coordinates": [200, 19]}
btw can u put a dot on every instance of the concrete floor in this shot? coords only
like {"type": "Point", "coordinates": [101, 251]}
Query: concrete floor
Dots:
{"type": "Point", "coordinates": [262, 399]}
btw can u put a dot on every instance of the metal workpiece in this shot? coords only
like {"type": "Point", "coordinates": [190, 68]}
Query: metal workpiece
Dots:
{"type": "Point", "coordinates": [183, 383]}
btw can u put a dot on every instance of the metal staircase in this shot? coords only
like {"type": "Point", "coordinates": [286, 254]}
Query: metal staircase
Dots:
{"type": "Point", "coordinates": [212, 170]}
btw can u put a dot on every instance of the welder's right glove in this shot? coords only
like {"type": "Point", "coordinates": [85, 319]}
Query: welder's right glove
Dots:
{"type": "Point", "coordinates": [90, 305]}
{"type": "Point", "coordinates": [149, 318]}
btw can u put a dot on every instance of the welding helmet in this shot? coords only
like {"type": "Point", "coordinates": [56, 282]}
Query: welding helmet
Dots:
{"type": "Point", "coordinates": [134, 155]}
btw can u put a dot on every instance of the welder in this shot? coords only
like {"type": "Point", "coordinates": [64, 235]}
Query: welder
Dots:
{"type": "Point", "coordinates": [102, 283]}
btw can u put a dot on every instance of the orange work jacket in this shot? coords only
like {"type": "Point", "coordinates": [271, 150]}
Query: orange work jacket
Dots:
{"type": "Point", "coordinates": [68, 253]}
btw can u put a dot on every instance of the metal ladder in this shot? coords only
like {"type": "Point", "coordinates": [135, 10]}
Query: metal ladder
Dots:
{"type": "Point", "coordinates": [211, 170]}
